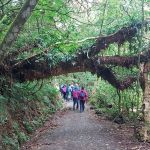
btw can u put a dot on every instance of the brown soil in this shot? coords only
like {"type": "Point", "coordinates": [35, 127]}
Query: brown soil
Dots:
{"type": "Point", "coordinates": [71, 130]}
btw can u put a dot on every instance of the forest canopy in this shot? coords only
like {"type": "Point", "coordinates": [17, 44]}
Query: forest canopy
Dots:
{"type": "Point", "coordinates": [64, 33]}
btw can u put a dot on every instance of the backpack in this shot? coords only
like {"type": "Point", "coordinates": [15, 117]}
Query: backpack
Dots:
{"type": "Point", "coordinates": [67, 89]}
{"type": "Point", "coordinates": [75, 94]}
{"type": "Point", "coordinates": [82, 95]}
{"type": "Point", "coordinates": [64, 89]}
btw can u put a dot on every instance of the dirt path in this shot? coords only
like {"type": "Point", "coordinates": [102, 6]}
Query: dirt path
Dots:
{"type": "Point", "coordinates": [82, 131]}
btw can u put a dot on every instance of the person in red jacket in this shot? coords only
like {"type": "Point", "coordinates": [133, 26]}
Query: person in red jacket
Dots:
{"type": "Point", "coordinates": [83, 97]}
{"type": "Point", "coordinates": [75, 98]}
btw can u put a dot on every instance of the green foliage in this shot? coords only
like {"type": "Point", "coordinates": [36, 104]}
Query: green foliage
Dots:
{"type": "Point", "coordinates": [7, 15]}
{"type": "Point", "coordinates": [64, 22]}
{"type": "Point", "coordinates": [22, 137]}
{"type": "Point", "coordinates": [30, 104]}
{"type": "Point", "coordinates": [10, 142]}
{"type": "Point", "coordinates": [107, 101]}
{"type": "Point", "coordinates": [28, 126]}
{"type": "Point", "coordinates": [3, 110]}
{"type": "Point", "coordinates": [36, 123]}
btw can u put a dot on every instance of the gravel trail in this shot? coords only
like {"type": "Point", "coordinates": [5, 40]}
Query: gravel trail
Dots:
{"type": "Point", "coordinates": [79, 131]}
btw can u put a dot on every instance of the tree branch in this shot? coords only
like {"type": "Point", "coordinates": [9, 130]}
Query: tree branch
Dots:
{"type": "Point", "coordinates": [123, 61]}
{"type": "Point", "coordinates": [108, 75]}
{"type": "Point", "coordinates": [124, 34]}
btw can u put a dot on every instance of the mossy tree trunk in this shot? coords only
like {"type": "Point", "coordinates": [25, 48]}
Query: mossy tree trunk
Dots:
{"type": "Point", "coordinates": [144, 134]}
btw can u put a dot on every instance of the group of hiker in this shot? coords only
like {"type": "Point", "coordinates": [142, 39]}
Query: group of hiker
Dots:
{"type": "Point", "coordinates": [76, 93]}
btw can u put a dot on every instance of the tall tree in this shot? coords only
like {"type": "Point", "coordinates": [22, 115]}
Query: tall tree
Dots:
{"type": "Point", "coordinates": [16, 27]}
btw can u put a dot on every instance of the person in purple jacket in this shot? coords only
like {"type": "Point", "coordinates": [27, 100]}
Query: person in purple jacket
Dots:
{"type": "Point", "coordinates": [64, 90]}
{"type": "Point", "coordinates": [83, 97]}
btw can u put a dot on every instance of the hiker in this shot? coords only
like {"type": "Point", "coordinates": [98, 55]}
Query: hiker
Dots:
{"type": "Point", "coordinates": [75, 93]}
{"type": "Point", "coordinates": [72, 86]}
{"type": "Point", "coordinates": [68, 92]}
{"type": "Point", "coordinates": [61, 89]}
{"type": "Point", "coordinates": [77, 86]}
{"type": "Point", "coordinates": [64, 90]}
{"type": "Point", "coordinates": [83, 97]}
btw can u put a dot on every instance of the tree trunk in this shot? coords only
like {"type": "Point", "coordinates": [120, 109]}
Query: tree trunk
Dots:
{"type": "Point", "coordinates": [144, 132]}
{"type": "Point", "coordinates": [16, 27]}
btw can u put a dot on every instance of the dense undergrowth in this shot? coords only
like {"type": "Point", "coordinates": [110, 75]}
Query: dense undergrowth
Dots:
{"type": "Point", "coordinates": [120, 106]}
{"type": "Point", "coordinates": [24, 108]}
